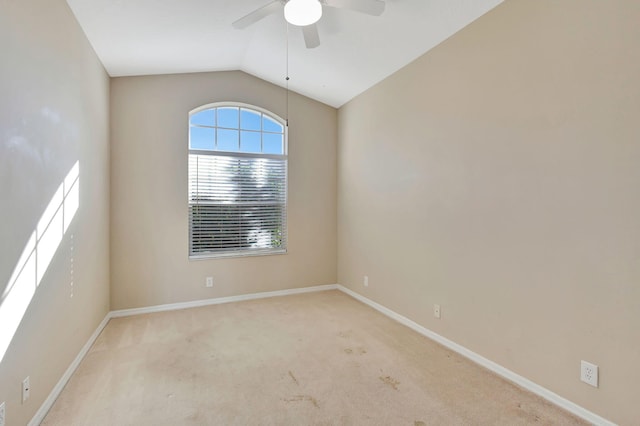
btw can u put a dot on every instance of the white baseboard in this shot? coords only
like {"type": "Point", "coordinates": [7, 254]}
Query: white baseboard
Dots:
{"type": "Point", "coordinates": [55, 392]}
{"type": "Point", "coordinates": [486, 363]}
{"type": "Point", "coordinates": [219, 300]}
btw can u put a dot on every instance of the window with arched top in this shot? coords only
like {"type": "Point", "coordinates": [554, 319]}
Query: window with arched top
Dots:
{"type": "Point", "coordinates": [237, 181]}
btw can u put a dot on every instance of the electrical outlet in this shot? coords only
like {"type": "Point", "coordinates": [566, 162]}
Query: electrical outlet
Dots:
{"type": "Point", "coordinates": [436, 311]}
{"type": "Point", "coordinates": [366, 281]}
{"type": "Point", "coordinates": [26, 389]}
{"type": "Point", "coordinates": [589, 373]}
{"type": "Point", "coordinates": [2, 414]}
{"type": "Point", "coordinates": [209, 282]}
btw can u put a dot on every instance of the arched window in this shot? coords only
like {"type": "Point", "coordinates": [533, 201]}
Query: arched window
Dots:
{"type": "Point", "coordinates": [237, 181]}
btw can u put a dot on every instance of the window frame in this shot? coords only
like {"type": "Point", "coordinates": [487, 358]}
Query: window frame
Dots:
{"type": "Point", "coordinates": [239, 154]}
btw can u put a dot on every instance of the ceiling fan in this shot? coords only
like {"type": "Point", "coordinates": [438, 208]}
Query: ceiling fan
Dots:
{"type": "Point", "coordinates": [305, 14]}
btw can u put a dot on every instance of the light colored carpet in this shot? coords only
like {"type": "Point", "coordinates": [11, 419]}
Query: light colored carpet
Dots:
{"type": "Point", "coordinates": [312, 359]}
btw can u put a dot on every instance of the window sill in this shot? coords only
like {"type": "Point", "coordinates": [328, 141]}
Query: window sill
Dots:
{"type": "Point", "coordinates": [244, 253]}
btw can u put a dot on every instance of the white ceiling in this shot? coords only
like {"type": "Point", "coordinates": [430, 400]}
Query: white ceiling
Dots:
{"type": "Point", "coordinates": [140, 37]}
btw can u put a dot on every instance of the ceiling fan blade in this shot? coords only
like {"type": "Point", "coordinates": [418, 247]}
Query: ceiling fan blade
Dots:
{"type": "Point", "coordinates": [311, 37]}
{"type": "Point", "coordinates": [257, 15]}
{"type": "Point", "coordinates": [370, 7]}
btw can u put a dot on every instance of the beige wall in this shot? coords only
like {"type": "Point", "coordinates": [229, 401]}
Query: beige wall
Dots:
{"type": "Point", "coordinates": [149, 238]}
{"type": "Point", "coordinates": [499, 176]}
{"type": "Point", "coordinates": [53, 112]}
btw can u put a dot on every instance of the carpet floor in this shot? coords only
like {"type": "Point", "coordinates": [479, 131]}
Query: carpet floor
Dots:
{"type": "Point", "coordinates": [310, 359]}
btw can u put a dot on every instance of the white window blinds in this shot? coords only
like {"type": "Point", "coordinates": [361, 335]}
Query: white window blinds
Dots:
{"type": "Point", "coordinates": [237, 197]}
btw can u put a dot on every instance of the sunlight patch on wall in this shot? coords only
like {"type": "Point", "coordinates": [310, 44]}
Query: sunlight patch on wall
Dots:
{"type": "Point", "coordinates": [37, 255]}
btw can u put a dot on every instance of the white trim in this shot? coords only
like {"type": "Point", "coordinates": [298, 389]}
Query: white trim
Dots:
{"type": "Point", "coordinates": [219, 300]}
{"type": "Point", "coordinates": [239, 253]}
{"type": "Point", "coordinates": [234, 104]}
{"type": "Point", "coordinates": [238, 154]}
{"type": "Point", "coordinates": [55, 392]}
{"type": "Point", "coordinates": [486, 363]}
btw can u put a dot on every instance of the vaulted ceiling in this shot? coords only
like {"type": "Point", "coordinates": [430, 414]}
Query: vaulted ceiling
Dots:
{"type": "Point", "coordinates": [140, 37]}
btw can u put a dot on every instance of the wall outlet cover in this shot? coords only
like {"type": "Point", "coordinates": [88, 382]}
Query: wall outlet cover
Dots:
{"type": "Point", "coordinates": [436, 311]}
{"type": "Point", "coordinates": [589, 373]}
{"type": "Point", "coordinates": [26, 389]}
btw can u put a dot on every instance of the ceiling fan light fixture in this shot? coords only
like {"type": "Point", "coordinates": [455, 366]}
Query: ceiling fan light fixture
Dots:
{"type": "Point", "coordinates": [302, 12]}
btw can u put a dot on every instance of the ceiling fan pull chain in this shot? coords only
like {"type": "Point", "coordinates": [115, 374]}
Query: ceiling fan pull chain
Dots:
{"type": "Point", "coordinates": [287, 80]}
